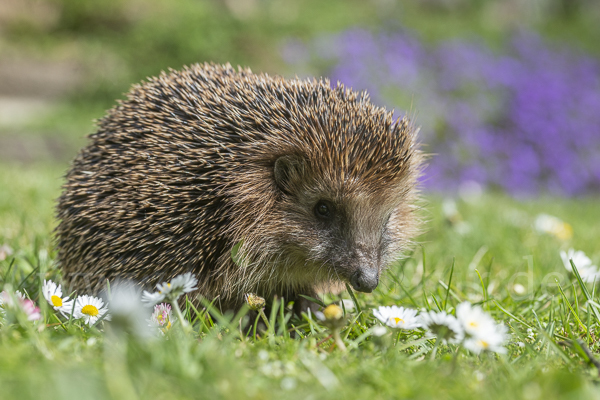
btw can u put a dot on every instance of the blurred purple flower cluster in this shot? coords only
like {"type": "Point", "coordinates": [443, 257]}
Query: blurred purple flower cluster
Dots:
{"type": "Point", "coordinates": [526, 119]}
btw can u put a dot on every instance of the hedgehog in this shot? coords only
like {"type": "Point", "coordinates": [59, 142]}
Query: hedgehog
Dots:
{"type": "Point", "coordinates": [310, 184]}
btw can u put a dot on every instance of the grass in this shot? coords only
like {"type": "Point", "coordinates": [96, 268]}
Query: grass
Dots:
{"type": "Point", "coordinates": [491, 256]}
{"type": "Point", "coordinates": [494, 251]}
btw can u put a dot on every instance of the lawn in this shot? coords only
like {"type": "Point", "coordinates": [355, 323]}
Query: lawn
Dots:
{"type": "Point", "coordinates": [501, 262]}
{"type": "Point", "coordinates": [489, 249]}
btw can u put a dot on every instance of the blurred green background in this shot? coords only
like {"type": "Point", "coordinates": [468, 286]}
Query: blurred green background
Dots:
{"type": "Point", "coordinates": [63, 62]}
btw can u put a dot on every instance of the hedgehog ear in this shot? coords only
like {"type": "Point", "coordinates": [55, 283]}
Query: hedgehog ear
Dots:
{"type": "Point", "coordinates": [288, 170]}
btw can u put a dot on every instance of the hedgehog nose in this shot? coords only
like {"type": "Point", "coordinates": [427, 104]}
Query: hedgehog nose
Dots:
{"type": "Point", "coordinates": [365, 280]}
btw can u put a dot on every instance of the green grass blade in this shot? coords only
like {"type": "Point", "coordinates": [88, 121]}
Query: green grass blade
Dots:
{"type": "Point", "coordinates": [564, 296]}
{"type": "Point", "coordinates": [351, 292]}
{"type": "Point", "coordinates": [449, 282]}
{"type": "Point", "coordinates": [584, 289]}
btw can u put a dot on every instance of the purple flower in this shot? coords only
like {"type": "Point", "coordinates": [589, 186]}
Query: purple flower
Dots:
{"type": "Point", "coordinates": [524, 119]}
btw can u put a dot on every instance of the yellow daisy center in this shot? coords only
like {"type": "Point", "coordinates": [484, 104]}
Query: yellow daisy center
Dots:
{"type": "Point", "coordinates": [564, 231]}
{"type": "Point", "coordinates": [160, 318]}
{"type": "Point", "coordinates": [397, 320]}
{"type": "Point", "coordinates": [473, 324]}
{"type": "Point", "coordinates": [484, 344]}
{"type": "Point", "coordinates": [168, 286]}
{"type": "Point", "coordinates": [89, 310]}
{"type": "Point", "coordinates": [333, 311]}
{"type": "Point", "coordinates": [56, 301]}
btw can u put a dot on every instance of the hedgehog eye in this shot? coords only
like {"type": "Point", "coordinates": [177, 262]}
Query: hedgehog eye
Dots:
{"type": "Point", "coordinates": [323, 209]}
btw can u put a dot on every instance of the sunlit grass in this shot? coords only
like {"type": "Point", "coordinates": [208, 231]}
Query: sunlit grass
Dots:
{"type": "Point", "coordinates": [500, 262]}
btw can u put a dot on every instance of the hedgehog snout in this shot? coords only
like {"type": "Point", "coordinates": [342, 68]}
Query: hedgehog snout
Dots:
{"type": "Point", "coordinates": [365, 279]}
{"type": "Point", "coordinates": [365, 276]}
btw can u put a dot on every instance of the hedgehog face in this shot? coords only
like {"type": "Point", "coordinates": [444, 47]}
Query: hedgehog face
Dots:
{"type": "Point", "coordinates": [350, 239]}
{"type": "Point", "coordinates": [342, 231]}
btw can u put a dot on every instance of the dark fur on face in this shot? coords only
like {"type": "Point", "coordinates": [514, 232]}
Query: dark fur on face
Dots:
{"type": "Point", "coordinates": [317, 184]}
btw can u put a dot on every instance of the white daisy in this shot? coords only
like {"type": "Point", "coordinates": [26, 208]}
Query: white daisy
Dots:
{"type": "Point", "coordinates": [127, 312]}
{"type": "Point", "coordinates": [90, 309]}
{"type": "Point", "coordinates": [474, 320]}
{"type": "Point", "coordinates": [53, 295]}
{"type": "Point", "coordinates": [348, 305]}
{"type": "Point", "coordinates": [171, 291]}
{"type": "Point", "coordinates": [19, 302]}
{"type": "Point", "coordinates": [549, 224]}
{"type": "Point", "coordinates": [161, 317]}
{"type": "Point", "coordinates": [444, 326]}
{"type": "Point", "coordinates": [31, 310]}
{"type": "Point", "coordinates": [398, 317]}
{"type": "Point", "coordinates": [184, 283]}
{"type": "Point", "coordinates": [152, 298]}
{"type": "Point", "coordinates": [6, 299]}
{"type": "Point", "coordinates": [378, 330]}
{"type": "Point", "coordinates": [587, 271]}
{"type": "Point", "coordinates": [490, 340]}
{"type": "Point", "coordinates": [482, 332]}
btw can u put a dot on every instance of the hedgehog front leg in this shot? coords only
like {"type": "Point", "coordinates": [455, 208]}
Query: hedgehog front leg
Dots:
{"type": "Point", "coordinates": [301, 304]}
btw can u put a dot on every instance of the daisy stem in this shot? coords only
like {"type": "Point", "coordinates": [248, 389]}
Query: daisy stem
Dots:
{"type": "Point", "coordinates": [184, 323]}
{"type": "Point", "coordinates": [60, 322]}
{"type": "Point", "coordinates": [338, 340]}
{"type": "Point", "coordinates": [455, 357]}
{"type": "Point", "coordinates": [264, 318]}
{"type": "Point", "coordinates": [435, 347]}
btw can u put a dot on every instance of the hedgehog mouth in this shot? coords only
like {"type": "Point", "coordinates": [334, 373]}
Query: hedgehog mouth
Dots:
{"type": "Point", "coordinates": [362, 280]}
